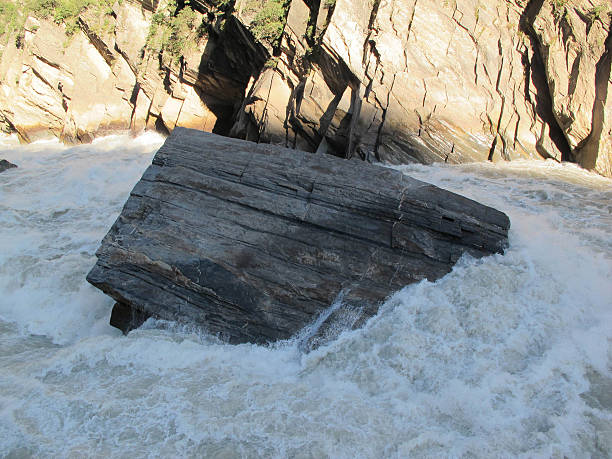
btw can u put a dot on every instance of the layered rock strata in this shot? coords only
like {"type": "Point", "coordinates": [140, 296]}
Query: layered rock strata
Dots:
{"type": "Point", "coordinates": [386, 80]}
{"type": "Point", "coordinates": [574, 40]}
{"type": "Point", "coordinates": [453, 81]}
{"type": "Point", "coordinates": [112, 73]}
{"type": "Point", "coordinates": [254, 242]}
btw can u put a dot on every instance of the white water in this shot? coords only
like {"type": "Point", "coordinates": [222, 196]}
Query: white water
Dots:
{"type": "Point", "coordinates": [506, 356]}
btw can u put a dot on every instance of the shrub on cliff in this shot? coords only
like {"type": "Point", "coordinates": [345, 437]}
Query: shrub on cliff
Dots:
{"type": "Point", "coordinates": [174, 32]}
{"type": "Point", "coordinates": [67, 12]}
{"type": "Point", "coordinates": [10, 21]}
{"type": "Point", "coordinates": [269, 22]}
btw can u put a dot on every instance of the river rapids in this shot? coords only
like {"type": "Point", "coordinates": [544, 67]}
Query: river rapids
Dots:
{"type": "Point", "coordinates": [506, 356]}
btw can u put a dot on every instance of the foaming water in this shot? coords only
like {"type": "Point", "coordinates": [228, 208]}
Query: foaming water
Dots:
{"type": "Point", "coordinates": [55, 207]}
{"type": "Point", "coordinates": [505, 356]}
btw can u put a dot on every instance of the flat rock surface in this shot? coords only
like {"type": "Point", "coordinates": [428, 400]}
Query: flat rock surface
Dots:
{"type": "Point", "coordinates": [253, 242]}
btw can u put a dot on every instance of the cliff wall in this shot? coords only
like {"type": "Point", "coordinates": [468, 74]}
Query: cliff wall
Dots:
{"type": "Point", "coordinates": [390, 80]}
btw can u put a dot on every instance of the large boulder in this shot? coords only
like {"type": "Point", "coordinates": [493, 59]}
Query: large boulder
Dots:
{"type": "Point", "coordinates": [253, 242]}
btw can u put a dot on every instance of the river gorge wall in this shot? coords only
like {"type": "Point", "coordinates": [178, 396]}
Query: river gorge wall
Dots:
{"type": "Point", "coordinates": [383, 80]}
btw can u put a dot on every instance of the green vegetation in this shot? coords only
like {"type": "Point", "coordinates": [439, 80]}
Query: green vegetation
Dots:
{"type": "Point", "coordinates": [559, 9]}
{"type": "Point", "coordinates": [271, 63]}
{"type": "Point", "coordinates": [597, 12]}
{"type": "Point", "coordinates": [68, 11]}
{"type": "Point", "coordinates": [270, 20]}
{"type": "Point", "coordinates": [175, 33]}
{"type": "Point", "coordinates": [559, 3]}
{"type": "Point", "coordinates": [10, 19]}
{"type": "Point", "coordinates": [14, 14]}
{"type": "Point", "coordinates": [224, 5]}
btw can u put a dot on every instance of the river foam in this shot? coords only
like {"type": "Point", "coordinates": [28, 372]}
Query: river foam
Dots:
{"type": "Point", "coordinates": [509, 355]}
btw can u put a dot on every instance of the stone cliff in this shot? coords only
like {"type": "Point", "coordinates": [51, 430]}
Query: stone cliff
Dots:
{"type": "Point", "coordinates": [390, 80]}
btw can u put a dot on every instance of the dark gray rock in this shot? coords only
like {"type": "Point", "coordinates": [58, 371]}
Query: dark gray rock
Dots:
{"type": "Point", "coordinates": [4, 165]}
{"type": "Point", "coordinates": [253, 242]}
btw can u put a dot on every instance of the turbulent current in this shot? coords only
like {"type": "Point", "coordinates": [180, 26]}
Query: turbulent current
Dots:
{"type": "Point", "coordinates": [510, 355]}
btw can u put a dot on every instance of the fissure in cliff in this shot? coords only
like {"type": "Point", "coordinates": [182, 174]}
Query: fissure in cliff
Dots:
{"type": "Point", "coordinates": [447, 81]}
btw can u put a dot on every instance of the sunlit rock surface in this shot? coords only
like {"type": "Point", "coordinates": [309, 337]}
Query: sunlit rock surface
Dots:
{"type": "Point", "coordinates": [453, 81]}
{"type": "Point", "coordinates": [398, 81]}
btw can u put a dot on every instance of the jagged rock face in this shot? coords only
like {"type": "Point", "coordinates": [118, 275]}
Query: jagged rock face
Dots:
{"type": "Point", "coordinates": [424, 80]}
{"type": "Point", "coordinates": [104, 79]}
{"type": "Point", "coordinates": [410, 81]}
{"type": "Point", "coordinates": [575, 43]}
{"type": "Point", "coordinates": [44, 85]}
{"type": "Point", "coordinates": [391, 80]}
{"type": "Point", "coordinates": [71, 88]}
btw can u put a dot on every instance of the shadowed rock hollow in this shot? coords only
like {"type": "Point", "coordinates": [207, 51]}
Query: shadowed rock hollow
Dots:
{"type": "Point", "coordinates": [253, 242]}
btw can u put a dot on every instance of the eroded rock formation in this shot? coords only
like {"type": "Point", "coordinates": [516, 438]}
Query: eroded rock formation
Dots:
{"type": "Point", "coordinates": [454, 81]}
{"type": "Point", "coordinates": [253, 242]}
{"type": "Point", "coordinates": [390, 80]}
{"type": "Point", "coordinates": [111, 74]}
{"type": "Point", "coordinates": [575, 42]}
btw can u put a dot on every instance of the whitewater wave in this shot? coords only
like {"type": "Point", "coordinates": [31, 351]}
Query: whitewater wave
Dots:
{"type": "Point", "coordinates": [509, 355]}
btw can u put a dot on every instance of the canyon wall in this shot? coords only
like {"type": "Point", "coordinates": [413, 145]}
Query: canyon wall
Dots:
{"type": "Point", "coordinates": [116, 72]}
{"type": "Point", "coordinates": [384, 80]}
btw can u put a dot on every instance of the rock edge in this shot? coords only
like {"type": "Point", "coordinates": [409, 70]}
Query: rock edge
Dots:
{"type": "Point", "coordinates": [253, 242]}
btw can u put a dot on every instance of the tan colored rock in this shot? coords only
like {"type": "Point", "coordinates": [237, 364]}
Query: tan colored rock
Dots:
{"type": "Point", "coordinates": [188, 111]}
{"type": "Point", "coordinates": [425, 80]}
{"type": "Point", "coordinates": [270, 96]}
{"type": "Point", "coordinates": [132, 27]}
{"type": "Point", "coordinates": [141, 112]}
{"type": "Point", "coordinates": [574, 41]}
{"type": "Point", "coordinates": [63, 86]}
{"type": "Point", "coordinates": [204, 86]}
{"type": "Point", "coordinates": [97, 81]}
{"type": "Point", "coordinates": [394, 80]}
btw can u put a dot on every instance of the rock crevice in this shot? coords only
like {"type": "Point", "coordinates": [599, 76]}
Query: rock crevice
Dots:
{"type": "Point", "coordinates": [398, 81]}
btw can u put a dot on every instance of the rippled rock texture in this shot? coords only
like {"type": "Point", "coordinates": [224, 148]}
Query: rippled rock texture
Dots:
{"type": "Point", "coordinates": [254, 242]}
{"type": "Point", "coordinates": [394, 80]}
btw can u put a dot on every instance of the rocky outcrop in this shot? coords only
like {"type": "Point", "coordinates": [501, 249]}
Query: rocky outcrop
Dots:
{"type": "Point", "coordinates": [574, 39]}
{"type": "Point", "coordinates": [384, 80]}
{"type": "Point", "coordinates": [5, 165]}
{"type": "Point", "coordinates": [254, 242]}
{"type": "Point", "coordinates": [55, 86]}
{"type": "Point", "coordinates": [453, 81]}
{"type": "Point", "coordinates": [120, 70]}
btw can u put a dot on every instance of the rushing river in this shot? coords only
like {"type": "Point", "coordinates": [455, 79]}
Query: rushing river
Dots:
{"type": "Point", "coordinates": [506, 356]}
